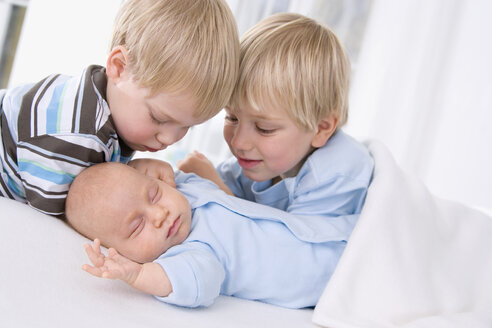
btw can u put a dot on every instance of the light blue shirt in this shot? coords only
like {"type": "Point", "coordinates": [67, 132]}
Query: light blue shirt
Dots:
{"type": "Point", "coordinates": [327, 193]}
{"type": "Point", "coordinates": [248, 250]}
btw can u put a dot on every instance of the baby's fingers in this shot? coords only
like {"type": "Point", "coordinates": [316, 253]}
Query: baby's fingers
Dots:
{"type": "Point", "coordinates": [98, 272]}
{"type": "Point", "coordinates": [112, 253]}
{"type": "Point", "coordinates": [95, 247]}
{"type": "Point", "coordinates": [94, 253]}
{"type": "Point", "coordinates": [101, 272]}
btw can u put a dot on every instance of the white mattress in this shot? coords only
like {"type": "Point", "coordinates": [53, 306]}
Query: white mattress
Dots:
{"type": "Point", "coordinates": [43, 285]}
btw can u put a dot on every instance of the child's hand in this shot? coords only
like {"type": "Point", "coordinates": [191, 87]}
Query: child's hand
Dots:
{"type": "Point", "coordinates": [154, 168]}
{"type": "Point", "coordinates": [199, 164]}
{"type": "Point", "coordinates": [113, 266]}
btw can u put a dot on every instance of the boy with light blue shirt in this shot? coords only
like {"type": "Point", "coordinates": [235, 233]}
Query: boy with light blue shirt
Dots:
{"type": "Point", "coordinates": [189, 244]}
{"type": "Point", "coordinates": [283, 126]}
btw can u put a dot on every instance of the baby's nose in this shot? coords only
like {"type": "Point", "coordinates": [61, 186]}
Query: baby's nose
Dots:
{"type": "Point", "coordinates": [159, 216]}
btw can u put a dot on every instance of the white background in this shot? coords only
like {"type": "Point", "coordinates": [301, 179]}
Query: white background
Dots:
{"type": "Point", "coordinates": [422, 83]}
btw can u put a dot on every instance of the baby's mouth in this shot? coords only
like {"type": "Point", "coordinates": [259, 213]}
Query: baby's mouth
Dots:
{"type": "Point", "coordinates": [174, 227]}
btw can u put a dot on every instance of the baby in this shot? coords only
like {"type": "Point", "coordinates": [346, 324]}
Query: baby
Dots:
{"type": "Point", "coordinates": [186, 245]}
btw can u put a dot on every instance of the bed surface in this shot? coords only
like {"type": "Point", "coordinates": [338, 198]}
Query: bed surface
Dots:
{"type": "Point", "coordinates": [413, 260]}
{"type": "Point", "coordinates": [43, 285]}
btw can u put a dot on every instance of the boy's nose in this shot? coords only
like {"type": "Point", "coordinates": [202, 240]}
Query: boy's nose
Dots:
{"type": "Point", "coordinates": [159, 216]}
{"type": "Point", "coordinates": [240, 140]}
{"type": "Point", "coordinates": [171, 135]}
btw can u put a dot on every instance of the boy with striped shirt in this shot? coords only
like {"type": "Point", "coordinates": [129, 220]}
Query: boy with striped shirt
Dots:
{"type": "Point", "coordinates": [156, 84]}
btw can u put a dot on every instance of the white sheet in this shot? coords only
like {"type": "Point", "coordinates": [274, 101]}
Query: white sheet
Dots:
{"type": "Point", "coordinates": [413, 260]}
{"type": "Point", "coordinates": [42, 285]}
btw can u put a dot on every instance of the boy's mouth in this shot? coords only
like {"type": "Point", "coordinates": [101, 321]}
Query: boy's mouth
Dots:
{"type": "Point", "coordinates": [153, 150]}
{"type": "Point", "coordinates": [248, 163]}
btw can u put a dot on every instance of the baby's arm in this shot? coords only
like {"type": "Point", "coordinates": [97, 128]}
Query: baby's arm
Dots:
{"type": "Point", "coordinates": [200, 165]}
{"type": "Point", "coordinates": [149, 278]}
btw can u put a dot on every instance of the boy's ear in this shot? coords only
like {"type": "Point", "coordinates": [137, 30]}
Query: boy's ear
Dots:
{"type": "Point", "coordinates": [116, 63]}
{"type": "Point", "coordinates": [325, 130]}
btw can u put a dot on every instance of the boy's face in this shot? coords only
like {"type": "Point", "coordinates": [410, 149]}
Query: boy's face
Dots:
{"type": "Point", "coordinates": [266, 144]}
{"type": "Point", "coordinates": [144, 217]}
{"type": "Point", "coordinates": [149, 122]}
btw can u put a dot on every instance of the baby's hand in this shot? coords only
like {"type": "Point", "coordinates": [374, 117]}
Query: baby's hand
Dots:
{"type": "Point", "coordinates": [154, 168]}
{"type": "Point", "coordinates": [199, 164]}
{"type": "Point", "coordinates": [113, 266]}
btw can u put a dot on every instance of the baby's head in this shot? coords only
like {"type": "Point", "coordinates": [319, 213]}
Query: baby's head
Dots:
{"type": "Point", "coordinates": [175, 46]}
{"type": "Point", "coordinates": [292, 62]}
{"type": "Point", "coordinates": [141, 217]}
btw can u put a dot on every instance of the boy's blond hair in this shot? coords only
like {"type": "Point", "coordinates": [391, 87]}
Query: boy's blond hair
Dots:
{"type": "Point", "coordinates": [293, 62]}
{"type": "Point", "coordinates": [181, 45]}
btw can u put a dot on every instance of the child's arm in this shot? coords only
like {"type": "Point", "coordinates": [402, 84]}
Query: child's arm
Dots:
{"type": "Point", "coordinates": [154, 168]}
{"type": "Point", "coordinates": [200, 165]}
{"type": "Point", "coordinates": [149, 278]}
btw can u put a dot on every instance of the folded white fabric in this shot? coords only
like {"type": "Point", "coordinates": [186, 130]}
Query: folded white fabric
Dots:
{"type": "Point", "coordinates": [413, 260]}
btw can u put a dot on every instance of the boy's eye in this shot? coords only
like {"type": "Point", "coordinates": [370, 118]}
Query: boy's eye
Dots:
{"type": "Point", "coordinates": [264, 131]}
{"type": "Point", "coordinates": [155, 119]}
{"type": "Point", "coordinates": [231, 119]}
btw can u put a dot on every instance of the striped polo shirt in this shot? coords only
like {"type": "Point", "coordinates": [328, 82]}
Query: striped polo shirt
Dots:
{"type": "Point", "coordinates": [50, 132]}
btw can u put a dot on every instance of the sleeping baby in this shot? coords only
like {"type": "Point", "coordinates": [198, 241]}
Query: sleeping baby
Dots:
{"type": "Point", "coordinates": [190, 243]}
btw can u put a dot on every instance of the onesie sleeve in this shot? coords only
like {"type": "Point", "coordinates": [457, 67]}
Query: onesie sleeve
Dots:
{"type": "Point", "coordinates": [195, 274]}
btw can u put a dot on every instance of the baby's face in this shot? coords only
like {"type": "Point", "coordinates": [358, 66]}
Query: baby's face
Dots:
{"type": "Point", "coordinates": [144, 218]}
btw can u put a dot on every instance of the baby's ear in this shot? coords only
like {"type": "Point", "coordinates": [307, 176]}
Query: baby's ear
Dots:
{"type": "Point", "coordinates": [325, 130]}
{"type": "Point", "coordinates": [116, 63]}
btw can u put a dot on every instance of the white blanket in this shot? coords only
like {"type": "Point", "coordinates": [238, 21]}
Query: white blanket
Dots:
{"type": "Point", "coordinates": [413, 260]}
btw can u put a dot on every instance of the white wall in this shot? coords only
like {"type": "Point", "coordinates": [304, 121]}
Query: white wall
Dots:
{"type": "Point", "coordinates": [423, 86]}
{"type": "Point", "coordinates": [460, 165]}
{"type": "Point", "coordinates": [61, 36]}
